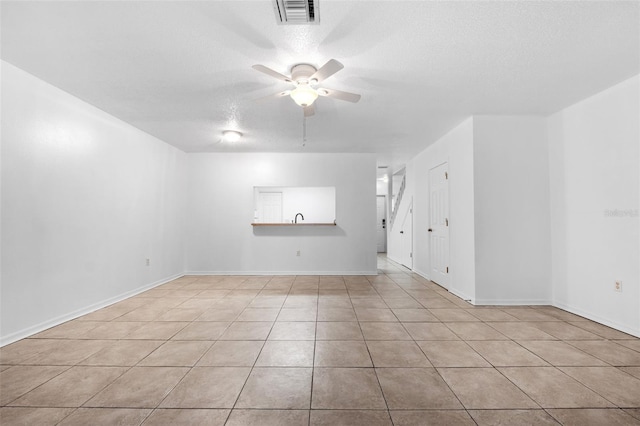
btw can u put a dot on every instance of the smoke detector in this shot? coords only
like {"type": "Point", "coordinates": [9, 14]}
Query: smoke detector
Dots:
{"type": "Point", "coordinates": [296, 12]}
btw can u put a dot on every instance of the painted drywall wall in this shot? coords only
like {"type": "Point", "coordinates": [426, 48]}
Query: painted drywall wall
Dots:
{"type": "Point", "coordinates": [594, 164]}
{"type": "Point", "coordinates": [512, 219]}
{"type": "Point", "coordinates": [86, 199]}
{"type": "Point", "coordinates": [220, 238]}
{"type": "Point", "coordinates": [455, 148]}
{"type": "Point", "coordinates": [382, 187]}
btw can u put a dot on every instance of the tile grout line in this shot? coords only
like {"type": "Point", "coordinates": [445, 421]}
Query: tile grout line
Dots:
{"type": "Point", "coordinates": [264, 342]}
{"type": "Point", "coordinates": [313, 362]}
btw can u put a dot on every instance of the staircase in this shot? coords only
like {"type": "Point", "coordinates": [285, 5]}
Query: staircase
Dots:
{"type": "Point", "coordinates": [398, 200]}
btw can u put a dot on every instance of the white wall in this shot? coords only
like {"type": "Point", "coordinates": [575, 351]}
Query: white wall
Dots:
{"type": "Point", "coordinates": [594, 162]}
{"type": "Point", "coordinates": [456, 148]}
{"type": "Point", "coordinates": [512, 219]}
{"type": "Point", "coordinates": [86, 199]}
{"type": "Point", "coordinates": [498, 209]}
{"type": "Point", "coordinates": [382, 188]}
{"type": "Point", "coordinates": [220, 238]}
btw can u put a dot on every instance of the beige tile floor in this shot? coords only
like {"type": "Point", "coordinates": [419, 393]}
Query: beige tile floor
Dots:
{"type": "Point", "coordinates": [391, 349]}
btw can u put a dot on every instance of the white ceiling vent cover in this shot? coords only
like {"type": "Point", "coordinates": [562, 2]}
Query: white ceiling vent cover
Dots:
{"type": "Point", "coordinates": [296, 12]}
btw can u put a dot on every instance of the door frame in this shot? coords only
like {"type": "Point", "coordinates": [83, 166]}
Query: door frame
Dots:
{"type": "Point", "coordinates": [386, 224]}
{"type": "Point", "coordinates": [409, 213]}
{"type": "Point", "coordinates": [446, 284]}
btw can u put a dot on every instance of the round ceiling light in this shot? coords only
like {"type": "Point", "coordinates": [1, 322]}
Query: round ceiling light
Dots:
{"type": "Point", "coordinates": [303, 95]}
{"type": "Point", "coordinates": [231, 135]}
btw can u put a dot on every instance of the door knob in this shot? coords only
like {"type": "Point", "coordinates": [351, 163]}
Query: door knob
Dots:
{"type": "Point", "coordinates": [430, 230]}
{"type": "Point", "coordinates": [402, 232]}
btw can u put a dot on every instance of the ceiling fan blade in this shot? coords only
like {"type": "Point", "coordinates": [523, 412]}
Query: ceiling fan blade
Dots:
{"type": "Point", "coordinates": [309, 110]}
{"type": "Point", "coordinates": [272, 73]}
{"type": "Point", "coordinates": [327, 70]}
{"type": "Point", "coordinates": [339, 94]}
{"type": "Point", "coordinates": [273, 96]}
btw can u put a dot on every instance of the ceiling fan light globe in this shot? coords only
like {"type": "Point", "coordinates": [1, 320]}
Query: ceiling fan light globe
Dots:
{"type": "Point", "coordinates": [303, 95]}
{"type": "Point", "coordinates": [231, 135]}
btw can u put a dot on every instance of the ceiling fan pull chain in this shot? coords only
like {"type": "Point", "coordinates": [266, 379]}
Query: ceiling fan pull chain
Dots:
{"type": "Point", "coordinates": [304, 130]}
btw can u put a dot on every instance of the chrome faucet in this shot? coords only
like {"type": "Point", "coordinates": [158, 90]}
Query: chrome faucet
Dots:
{"type": "Point", "coordinates": [300, 216]}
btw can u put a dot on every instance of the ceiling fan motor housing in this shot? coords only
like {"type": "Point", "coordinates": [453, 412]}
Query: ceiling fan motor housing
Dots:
{"type": "Point", "coordinates": [300, 73]}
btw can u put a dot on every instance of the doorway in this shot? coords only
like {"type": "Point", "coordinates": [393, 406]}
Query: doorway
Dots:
{"type": "Point", "coordinates": [381, 224]}
{"type": "Point", "coordinates": [406, 238]}
{"type": "Point", "coordinates": [439, 224]}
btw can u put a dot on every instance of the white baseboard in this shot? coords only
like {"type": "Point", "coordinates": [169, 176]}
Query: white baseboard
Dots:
{"type": "Point", "coordinates": [462, 296]}
{"type": "Point", "coordinates": [422, 274]}
{"type": "Point", "coordinates": [30, 331]}
{"type": "Point", "coordinates": [392, 258]}
{"type": "Point", "coordinates": [372, 272]}
{"type": "Point", "coordinates": [512, 302]}
{"type": "Point", "coordinates": [597, 318]}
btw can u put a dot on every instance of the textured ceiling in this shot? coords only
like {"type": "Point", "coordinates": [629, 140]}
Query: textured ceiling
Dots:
{"type": "Point", "coordinates": [181, 71]}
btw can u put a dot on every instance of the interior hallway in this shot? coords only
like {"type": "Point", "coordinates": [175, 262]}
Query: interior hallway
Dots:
{"type": "Point", "coordinates": [313, 350]}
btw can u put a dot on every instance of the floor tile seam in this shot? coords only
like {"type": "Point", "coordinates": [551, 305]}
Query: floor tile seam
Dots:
{"type": "Point", "coordinates": [375, 372]}
{"type": "Point", "coordinates": [69, 367]}
{"type": "Point", "coordinates": [415, 342]}
{"type": "Point", "coordinates": [466, 342]}
{"type": "Point", "coordinates": [398, 320]}
{"type": "Point", "coordinates": [129, 368]}
{"type": "Point", "coordinates": [518, 387]}
{"type": "Point", "coordinates": [619, 368]}
{"type": "Point", "coordinates": [313, 363]}
{"type": "Point", "coordinates": [125, 368]}
{"type": "Point", "coordinates": [253, 366]}
{"type": "Point", "coordinates": [551, 364]}
{"type": "Point", "coordinates": [137, 364]}
{"type": "Point", "coordinates": [364, 340]}
{"type": "Point", "coordinates": [70, 414]}
{"type": "Point", "coordinates": [594, 390]}
{"type": "Point", "coordinates": [527, 350]}
{"type": "Point", "coordinates": [568, 376]}
{"type": "Point", "coordinates": [488, 324]}
{"type": "Point", "coordinates": [171, 339]}
{"type": "Point", "coordinates": [33, 355]}
{"type": "Point", "coordinates": [569, 342]}
{"type": "Point", "coordinates": [632, 414]}
{"type": "Point", "coordinates": [590, 331]}
{"type": "Point", "coordinates": [464, 407]}
{"type": "Point", "coordinates": [453, 331]}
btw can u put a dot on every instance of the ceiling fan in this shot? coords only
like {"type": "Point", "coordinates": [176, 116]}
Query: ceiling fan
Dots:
{"type": "Point", "coordinates": [305, 78]}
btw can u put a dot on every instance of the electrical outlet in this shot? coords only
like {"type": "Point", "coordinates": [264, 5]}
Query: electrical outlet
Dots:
{"type": "Point", "coordinates": [148, 261]}
{"type": "Point", "coordinates": [617, 286]}
{"type": "Point", "coordinates": [298, 253]}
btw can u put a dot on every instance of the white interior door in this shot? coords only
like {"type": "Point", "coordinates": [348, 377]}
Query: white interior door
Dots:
{"type": "Point", "coordinates": [381, 226]}
{"type": "Point", "coordinates": [439, 224]}
{"type": "Point", "coordinates": [406, 238]}
{"type": "Point", "coordinates": [270, 207]}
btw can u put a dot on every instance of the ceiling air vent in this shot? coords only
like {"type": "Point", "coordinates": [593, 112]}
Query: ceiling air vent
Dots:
{"type": "Point", "coordinates": [296, 12]}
